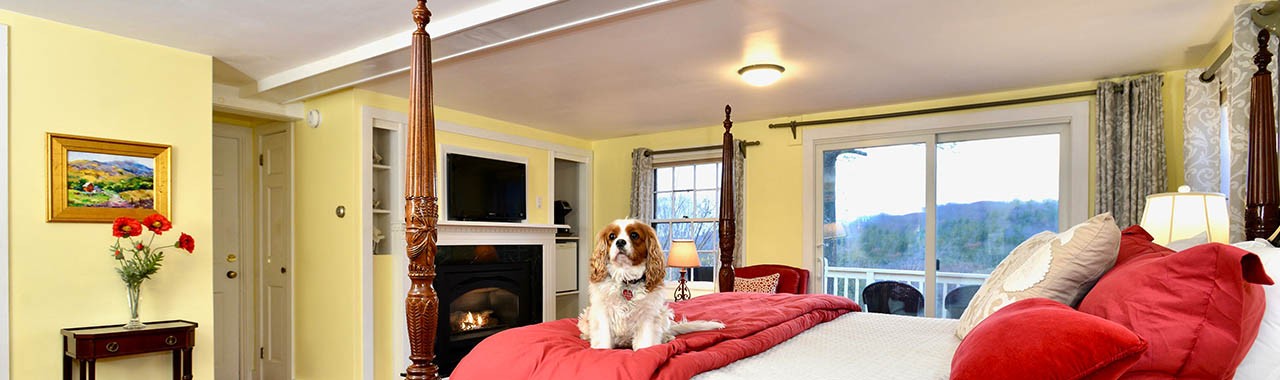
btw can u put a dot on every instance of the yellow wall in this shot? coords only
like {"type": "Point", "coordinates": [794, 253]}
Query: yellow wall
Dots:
{"type": "Point", "coordinates": [774, 169]}
{"type": "Point", "coordinates": [71, 80]}
{"type": "Point", "coordinates": [327, 316]}
{"type": "Point", "coordinates": [327, 174]}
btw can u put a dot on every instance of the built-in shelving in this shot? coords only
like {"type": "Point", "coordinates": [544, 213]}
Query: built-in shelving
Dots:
{"type": "Point", "coordinates": [384, 184]}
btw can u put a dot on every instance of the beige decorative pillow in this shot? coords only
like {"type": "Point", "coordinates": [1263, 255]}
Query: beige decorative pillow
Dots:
{"type": "Point", "coordinates": [1061, 267]}
{"type": "Point", "coordinates": [765, 284]}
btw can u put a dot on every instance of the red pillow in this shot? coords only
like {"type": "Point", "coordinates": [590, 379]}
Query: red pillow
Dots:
{"type": "Point", "coordinates": [1136, 242]}
{"type": "Point", "coordinates": [1200, 308]}
{"type": "Point", "coordinates": [1039, 338]}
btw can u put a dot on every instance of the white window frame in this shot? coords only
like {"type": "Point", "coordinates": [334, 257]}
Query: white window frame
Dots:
{"type": "Point", "coordinates": [4, 207]}
{"type": "Point", "coordinates": [680, 159]}
{"type": "Point", "coordinates": [1074, 165]}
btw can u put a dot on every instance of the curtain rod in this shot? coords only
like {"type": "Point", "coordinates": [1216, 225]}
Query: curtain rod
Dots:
{"type": "Point", "coordinates": [1212, 71]}
{"type": "Point", "coordinates": [698, 148]}
{"type": "Point", "coordinates": [794, 124]}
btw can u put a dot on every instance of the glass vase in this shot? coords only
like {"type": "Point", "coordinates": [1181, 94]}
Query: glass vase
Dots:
{"type": "Point", "coordinates": [135, 290]}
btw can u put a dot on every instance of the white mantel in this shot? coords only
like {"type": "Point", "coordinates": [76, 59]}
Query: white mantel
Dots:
{"type": "Point", "coordinates": [494, 233]}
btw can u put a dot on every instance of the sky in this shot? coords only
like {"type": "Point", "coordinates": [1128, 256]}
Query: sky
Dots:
{"type": "Point", "coordinates": [73, 155]}
{"type": "Point", "coordinates": [891, 179]}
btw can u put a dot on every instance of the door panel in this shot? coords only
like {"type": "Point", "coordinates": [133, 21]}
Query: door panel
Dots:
{"type": "Point", "coordinates": [276, 256]}
{"type": "Point", "coordinates": [874, 218]}
{"type": "Point", "coordinates": [230, 154]}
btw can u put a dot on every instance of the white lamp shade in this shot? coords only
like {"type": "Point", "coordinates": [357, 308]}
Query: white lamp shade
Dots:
{"type": "Point", "coordinates": [1183, 215]}
{"type": "Point", "coordinates": [683, 254]}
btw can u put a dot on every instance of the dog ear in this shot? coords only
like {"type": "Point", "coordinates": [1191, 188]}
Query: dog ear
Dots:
{"type": "Point", "coordinates": [600, 256]}
{"type": "Point", "coordinates": [655, 271]}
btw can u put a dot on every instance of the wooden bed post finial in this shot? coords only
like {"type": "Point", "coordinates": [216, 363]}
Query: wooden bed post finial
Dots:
{"type": "Point", "coordinates": [422, 306]}
{"type": "Point", "coordinates": [421, 15]}
{"type": "Point", "coordinates": [728, 123]}
{"type": "Point", "coordinates": [728, 224]}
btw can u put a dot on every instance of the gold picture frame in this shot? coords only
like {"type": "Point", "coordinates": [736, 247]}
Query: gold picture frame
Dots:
{"type": "Point", "coordinates": [110, 176]}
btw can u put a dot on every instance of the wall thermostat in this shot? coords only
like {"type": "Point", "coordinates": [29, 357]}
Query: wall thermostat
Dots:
{"type": "Point", "coordinates": [313, 118]}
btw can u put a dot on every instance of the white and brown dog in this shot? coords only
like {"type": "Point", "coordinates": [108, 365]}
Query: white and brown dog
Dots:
{"type": "Point", "coordinates": [628, 307]}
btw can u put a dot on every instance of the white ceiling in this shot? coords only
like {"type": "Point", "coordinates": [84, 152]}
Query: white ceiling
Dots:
{"type": "Point", "coordinates": [257, 37]}
{"type": "Point", "coordinates": [673, 66]}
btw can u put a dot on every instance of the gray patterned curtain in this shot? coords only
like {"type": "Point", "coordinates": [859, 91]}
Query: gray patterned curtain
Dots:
{"type": "Point", "coordinates": [1215, 153]}
{"type": "Point", "coordinates": [739, 184]}
{"type": "Point", "coordinates": [642, 184]}
{"type": "Point", "coordinates": [1131, 161]}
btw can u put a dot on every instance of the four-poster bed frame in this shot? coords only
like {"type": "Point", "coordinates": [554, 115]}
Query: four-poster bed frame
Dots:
{"type": "Point", "coordinates": [422, 305]}
{"type": "Point", "coordinates": [422, 209]}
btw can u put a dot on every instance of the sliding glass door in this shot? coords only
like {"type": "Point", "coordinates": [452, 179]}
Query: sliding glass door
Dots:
{"type": "Point", "coordinates": [931, 215]}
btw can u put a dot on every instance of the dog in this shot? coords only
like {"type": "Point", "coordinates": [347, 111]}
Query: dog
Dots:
{"type": "Point", "coordinates": [627, 304]}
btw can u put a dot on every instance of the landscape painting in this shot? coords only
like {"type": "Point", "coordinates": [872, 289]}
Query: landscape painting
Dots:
{"type": "Point", "coordinates": [111, 181]}
{"type": "Point", "coordinates": [97, 180]}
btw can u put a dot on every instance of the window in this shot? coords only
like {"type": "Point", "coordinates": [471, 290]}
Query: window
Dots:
{"type": "Point", "coordinates": [938, 208]}
{"type": "Point", "coordinates": [686, 205]}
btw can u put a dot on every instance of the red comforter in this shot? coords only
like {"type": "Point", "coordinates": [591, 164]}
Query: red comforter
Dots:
{"type": "Point", "coordinates": [554, 351]}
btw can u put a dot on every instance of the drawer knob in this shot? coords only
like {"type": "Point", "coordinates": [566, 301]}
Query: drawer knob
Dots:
{"type": "Point", "coordinates": [171, 340]}
{"type": "Point", "coordinates": [113, 346]}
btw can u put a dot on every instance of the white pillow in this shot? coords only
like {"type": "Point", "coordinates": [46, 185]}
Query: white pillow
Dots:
{"type": "Point", "coordinates": [1260, 363]}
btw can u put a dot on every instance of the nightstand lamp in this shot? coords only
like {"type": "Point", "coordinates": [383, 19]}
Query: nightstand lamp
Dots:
{"type": "Point", "coordinates": [683, 255]}
{"type": "Point", "coordinates": [1184, 219]}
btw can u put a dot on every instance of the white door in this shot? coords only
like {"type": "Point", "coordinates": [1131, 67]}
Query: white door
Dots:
{"type": "Point", "coordinates": [231, 153]}
{"type": "Point", "coordinates": [276, 231]}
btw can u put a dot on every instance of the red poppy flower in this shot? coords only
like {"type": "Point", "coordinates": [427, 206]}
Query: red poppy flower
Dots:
{"type": "Point", "coordinates": [117, 254]}
{"type": "Point", "coordinates": [126, 227]}
{"type": "Point", "coordinates": [186, 242]}
{"type": "Point", "coordinates": [157, 223]}
{"type": "Point", "coordinates": [139, 246]}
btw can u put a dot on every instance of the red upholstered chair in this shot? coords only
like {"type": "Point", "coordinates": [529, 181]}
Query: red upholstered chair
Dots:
{"type": "Point", "coordinates": [790, 279]}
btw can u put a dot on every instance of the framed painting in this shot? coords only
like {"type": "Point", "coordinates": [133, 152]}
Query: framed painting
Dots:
{"type": "Point", "coordinates": [98, 180]}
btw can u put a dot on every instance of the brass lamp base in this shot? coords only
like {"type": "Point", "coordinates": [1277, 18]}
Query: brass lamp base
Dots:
{"type": "Point", "coordinates": [682, 290]}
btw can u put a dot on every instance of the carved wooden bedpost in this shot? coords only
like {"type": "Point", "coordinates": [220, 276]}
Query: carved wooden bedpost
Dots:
{"type": "Point", "coordinates": [422, 307]}
{"type": "Point", "coordinates": [1262, 198]}
{"type": "Point", "coordinates": [728, 224]}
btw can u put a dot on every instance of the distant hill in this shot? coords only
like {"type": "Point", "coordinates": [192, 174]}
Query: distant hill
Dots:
{"type": "Point", "coordinates": [113, 167]}
{"type": "Point", "coordinates": [972, 237]}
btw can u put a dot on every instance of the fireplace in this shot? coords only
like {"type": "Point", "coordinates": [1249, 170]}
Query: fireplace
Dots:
{"type": "Point", "coordinates": [483, 290]}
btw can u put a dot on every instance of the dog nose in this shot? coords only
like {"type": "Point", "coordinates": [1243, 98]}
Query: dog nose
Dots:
{"type": "Point", "coordinates": [620, 243]}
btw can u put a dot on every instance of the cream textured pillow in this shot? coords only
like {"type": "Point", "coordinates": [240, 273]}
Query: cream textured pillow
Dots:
{"type": "Point", "coordinates": [1061, 267]}
{"type": "Point", "coordinates": [765, 284]}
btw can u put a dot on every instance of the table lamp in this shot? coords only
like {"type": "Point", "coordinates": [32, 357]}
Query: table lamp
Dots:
{"type": "Point", "coordinates": [1186, 218]}
{"type": "Point", "coordinates": [683, 255]}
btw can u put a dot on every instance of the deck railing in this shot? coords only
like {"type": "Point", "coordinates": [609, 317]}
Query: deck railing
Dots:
{"type": "Point", "coordinates": [848, 282]}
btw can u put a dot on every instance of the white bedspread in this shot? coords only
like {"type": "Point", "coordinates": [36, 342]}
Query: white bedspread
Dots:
{"type": "Point", "coordinates": [855, 346]}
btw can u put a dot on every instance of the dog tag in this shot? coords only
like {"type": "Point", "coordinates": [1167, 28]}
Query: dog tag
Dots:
{"type": "Point", "coordinates": [626, 293]}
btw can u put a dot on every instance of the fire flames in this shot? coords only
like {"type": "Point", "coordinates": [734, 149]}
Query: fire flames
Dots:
{"type": "Point", "coordinates": [468, 321]}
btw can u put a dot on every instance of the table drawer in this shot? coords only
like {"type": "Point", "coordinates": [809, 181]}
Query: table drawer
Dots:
{"type": "Point", "coordinates": [108, 347]}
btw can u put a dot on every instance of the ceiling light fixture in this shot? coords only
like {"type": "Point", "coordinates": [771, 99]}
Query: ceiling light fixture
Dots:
{"type": "Point", "coordinates": [762, 74]}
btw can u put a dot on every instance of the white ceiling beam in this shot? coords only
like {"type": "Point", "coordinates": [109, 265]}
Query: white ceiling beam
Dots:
{"type": "Point", "coordinates": [226, 98]}
{"type": "Point", "coordinates": [480, 29]}
{"type": "Point", "coordinates": [437, 28]}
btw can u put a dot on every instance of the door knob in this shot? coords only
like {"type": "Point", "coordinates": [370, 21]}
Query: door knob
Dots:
{"type": "Point", "coordinates": [232, 274]}
{"type": "Point", "coordinates": [282, 270]}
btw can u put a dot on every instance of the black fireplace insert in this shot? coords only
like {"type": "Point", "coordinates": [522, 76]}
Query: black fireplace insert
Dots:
{"type": "Point", "coordinates": [483, 290]}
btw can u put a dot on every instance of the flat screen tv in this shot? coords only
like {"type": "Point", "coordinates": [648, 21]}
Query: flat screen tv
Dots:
{"type": "Point", "coordinates": [482, 189]}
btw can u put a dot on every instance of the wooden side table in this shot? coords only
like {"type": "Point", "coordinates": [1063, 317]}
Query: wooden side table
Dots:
{"type": "Point", "coordinates": [86, 345]}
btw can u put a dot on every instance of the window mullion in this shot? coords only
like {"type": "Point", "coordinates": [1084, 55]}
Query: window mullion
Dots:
{"type": "Point", "coordinates": [931, 226]}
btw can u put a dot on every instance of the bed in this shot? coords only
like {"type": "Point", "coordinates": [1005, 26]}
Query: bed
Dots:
{"type": "Point", "coordinates": [888, 346]}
